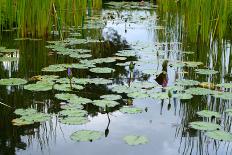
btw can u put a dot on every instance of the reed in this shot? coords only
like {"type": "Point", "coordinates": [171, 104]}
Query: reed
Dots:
{"type": "Point", "coordinates": [203, 20]}
{"type": "Point", "coordinates": [37, 17]}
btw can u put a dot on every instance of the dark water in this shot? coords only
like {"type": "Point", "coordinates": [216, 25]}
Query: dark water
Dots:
{"type": "Point", "coordinates": [165, 125]}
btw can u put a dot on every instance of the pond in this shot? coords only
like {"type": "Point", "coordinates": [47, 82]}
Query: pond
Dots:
{"type": "Point", "coordinates": [113, 78]}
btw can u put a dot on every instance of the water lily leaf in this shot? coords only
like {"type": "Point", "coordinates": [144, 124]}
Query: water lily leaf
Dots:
{"type": "Point", "coordinates": [123, 89]}
{"type": "Point", "coordinates": [220, 135]}
{"type": "Point", "coordinates": [102, 70]}
{"type": "Point", "coordinates": [229, 112]}
{"type": "Point", "coordinates": [21, 122]}
{"type": "Point", "coordinates": [72, 106]}
{"type": "Point", "coordinates": [149, 71]}
{"type": "Point", "coordinates": [199, 91]}
{"type": "Point", "coordinates": [204, 126]}
{"type": "Point", "coordinates": [65, 96]}
{"type": "Point", "coordinates": [37, 117]}
{"type": "Point", "coordinates": [104, 103]}
{"type": "Point", "coordinates": [45, 78]}
{"type": "Point", "coordinates": [187, 82]}
{"type": "Point", "coordinates": [4, 50]}
{"type": "Point", "coordinates": [145, 85]}
{"type": "Point", "coordinates": [209, 114]}
{"type": "Point", "coordinates": [13, 82]}
{"type": "Point", "coordinates": [74, 120]}
{"type": "Point", "coordinates": [131, 110]}
{"type": "Point", "coordinates": [24, 112]}
{"type": "Point", "coordinates": [73, 113]}
{"type": "Point", "coordinates": [135, 140]}
{"type": "Point", "coordinates": [206, 71]}
{"type": "Point", "coordinates": [126, 53]}
{"type": "Point", "coordinates": [67, 87]}
{"type": "Point", "coordinates": [112, 97]}
{"type": "Point", "coordinates": [159, 95]}
{"type": "Point", "coordinates": [80, 56]}
{"type": "Point", "coordinates": [174, 88]}
{"type": "Point", "coordinates": [183, 96]}
{"type": "Point", "coordinates": [193, 64]}
{"type": "Point", "coordinates": [103, 60]}
{"type": "Point", "coordinates": [225, 85]}
{"type": "Point", "coordinates": [138, 95]}
{"type": "Point", "coordinates": [54, 68]}
{"type": "Point", "coordinates": [86, 135]}
{"type": "Point", "coordinates": [79, 100]}
{"type": "Point", "coordinates": [10, 59]}
{"type": "Point", "coordinates": [39, 86]}
{"type": "Point", "coordinates": [222, 95]}
{"type": "Point", "coordinates": [98, 81]}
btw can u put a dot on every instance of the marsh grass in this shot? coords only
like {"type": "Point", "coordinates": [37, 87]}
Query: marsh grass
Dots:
{"type": "Point", "coordinates": [203, 20]}
{"type": "Point", "coordinates": [39, 17]}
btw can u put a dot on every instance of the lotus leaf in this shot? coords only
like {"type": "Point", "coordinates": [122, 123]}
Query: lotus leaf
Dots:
{"type": "Point", "coordinates": [135, 140]}
{"type": "Point", "coordinates": [86, 135]}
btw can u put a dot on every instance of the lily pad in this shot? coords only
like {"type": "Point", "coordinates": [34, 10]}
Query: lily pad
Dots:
{"type": "Point", "coordinates": [12, 82]}
{"type": "Point", "coordinates": [183, 96]}
{"type": "Point", "coordinates": [220, 135]}
{"type": "Point", "coordinates": [21, 122]}
{"type": "Point", "coordinates": [209, 114]}
{"type": "Point", "coordinates": [135, 140]}
{"type": "Point", "coordinates": [206, 71]}
{"type": "Point", "coordinates": [72, 106]}
{"type": "Point", "coordinates": [138, 95]}
{"type": "Point", "coordinates": [86, 135]}
{"type": "Point", "coordinates": [199, 91]}
{"type": "Point", "coordinates": [104, 103]}
{"type": "Point", "coordinates": [223, 95]}
{"type": "Point", "coordinates": [225, 85]}
{"type": "Point", "coordinates": [37, 117]}
{"type": "Point", "coordinates": [204, 126]}
{"type": "Point", "coordinates": [24, 112]}
{"type": "Point", "coordinates": [54, 68]}
{"type": "Point", "coordinates": [74, 120]}
{"type": "Point", "coordinates": [39, 86]}
{"type": "Point", "coordinates": [73, 113]}
{"type": "Point", "coordinates": [131, 110]}
{"type": "Point", "coordinates": [102, 70]}
{"type": "Point", "coordinates": [112, 97]}
{"type": "Point", "coordinates": [67, 87]}
{"type": "Point", "coordinates": [187, 82]}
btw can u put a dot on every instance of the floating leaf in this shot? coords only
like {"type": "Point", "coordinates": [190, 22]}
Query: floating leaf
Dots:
{"type": "Point", "coordinates": [223, 95]}
{"type": "Point", "coordinates": [138, 95]}
{"type": "Point", "coordinates": [183, 96]}
{"type": "Point", "coordinates": [21, 122]}
{"type": "Point", "coordinates": [72, 106]}
{"type": "Point", "coordinates": [199, 91]}
{"type": "Point", "coordinates": [130, 110]}
{"type": "Point", "coordinates": [187, 82]}
{"type": "Point", "coordinates": [37, 117]}
{"type": "Point", "coordinates": [54, 68]}
{"type": "Point", "coordinates": [204, 126]}
{"type": "Point", "coordinates": [209, 114]}
{"type": "Point", "coordinates": [86, 135]}
{"type": "Point", "coordinates": [12, 82]}
{"type": "Point", "coordinates": [74, 120]}
{"type": "Point", "coordinates": [104, 103]}
{"type": "Point", "coordinates": [67, 87]}
{"type": "Point", "coordinates": [225, 85]}
{"type": "Point", "coordinates": [112, 97]}
{"type": "Point", "coordinates": [39, 86]}
{"type": "Point", "coordinates": [220, 135]}
{"type": "Point", "coordinates": [135, 140]}
{"type": "Point", "coordinates": [206, 71]}
{"type": "Point", "coordinates": [24, 112]}
{"type": "Point", "coordinates": [102, 70]}
{"type": "Point", "coordinates": [73, 113]}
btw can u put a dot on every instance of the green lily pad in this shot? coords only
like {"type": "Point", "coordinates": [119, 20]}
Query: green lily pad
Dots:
{"type": "Point", "coordinates": [145, 85]}
{"type": "Point", "coordinates": [209, 114]}
{"type": "Point", "coordinates": [204, 126]}
{"type": "Point", "coordinates": [130, 110]}
{"type": "Point", "coordinates": [12, 82]}
{"type": "Point", "coordinates": [112, 97]}
{"type": "Point", "coordinates": [193, 64]}
{"type": "Point", "coordinates": [65, 96]}
{"type": "Point", "coordinates": [187, 82]}
{"type": "Point", "coordinates": [126, 53]}
{"type": "Point", "coordinates": [67, 87]}
{"type": "Point", "coordinates": [225, 85]}
{"type": "Point", "coordinates": [104, 103]}
{"type": "Point", "coordinates": [10, 59]}
{"type": "Point", "coordinates": [199, 91]}
{"type": "Point", "coordinates": [138, 95]}
{"type": "Point", "coordinates": [21, 122]}
{"type": "Point", "coordinates": [37, 117]}
{"type": "Point", "coordinates": [102, 70]}
{"type": "Point", "coordinates": [72, 106]}
{"type": "Point", "coordinates": [220, 135]}
{"type": "Point", "coordinates": [73, 113]}
{"type": "Point", "coordinates": [206, 71]}
{"type": "Point", "coordinates": [159, 95]}
{"type": "Point", "coordinates": [229, 112]}
{"type": "Point", "coordinates": [183, 96]}
{"type": "Point", "coordinates": [174, 88]}
{"type": "Point", "coordinates": [223, 95]}
{"type": "Point", "coordinates": [79, 100]}
{"type": "Point", "coordinates": [24, 112]}
{"type": "Point", "coordinates": [135, 140]}
{"type": "Point", "coordinates": [4, 50]}
{"type": "Point", "coordinates": [54, 68]}
{"type": "Point", "coordinates": [39, 86]}
{"type": "Point", "coordinates": [86, 135]}
{"type": "Point", "coordinates": [74, 120]}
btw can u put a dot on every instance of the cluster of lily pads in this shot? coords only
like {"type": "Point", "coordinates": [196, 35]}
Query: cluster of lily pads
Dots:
{"type": "Point", "coordinates": [212, 129]}
{"type": "Point", "coordinates": [8, 54]}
